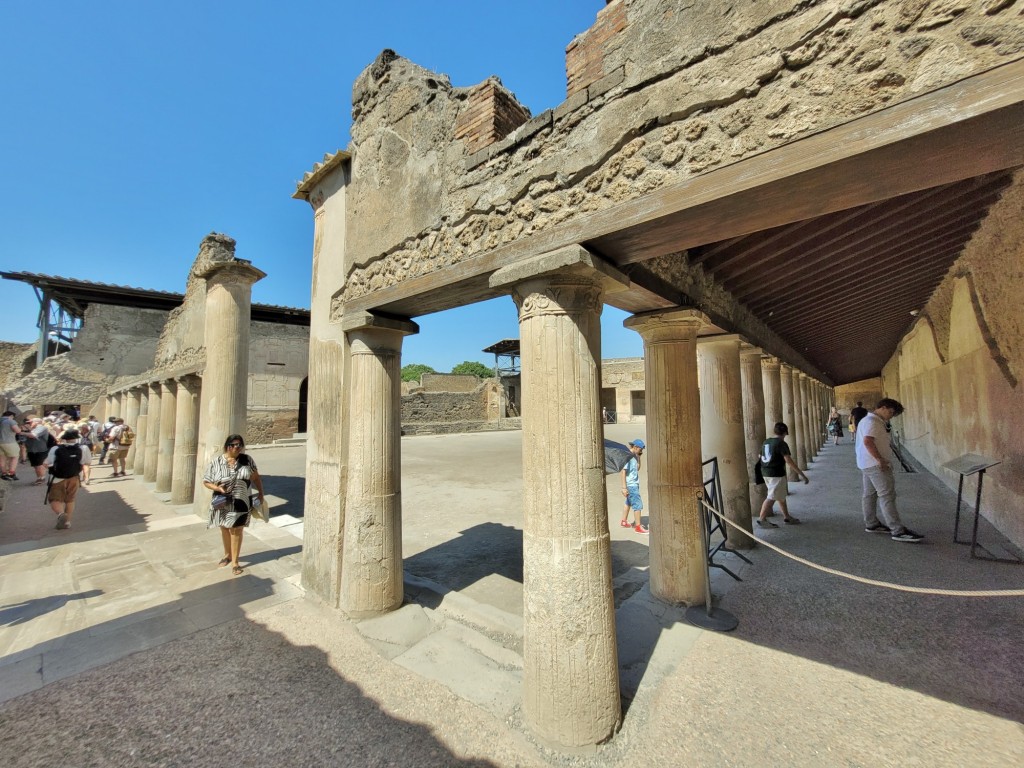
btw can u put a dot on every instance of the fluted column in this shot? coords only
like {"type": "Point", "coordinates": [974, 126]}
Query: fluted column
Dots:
{"type": "Point", "coordinates": [141, 432]}
{"type": "Point", "coordinates": [772, 380]}
{"type": "Point", "coordinates": [165, 450]}
{"type": "Point", "coordinates": [805, 418]}
{"type": "Point", "coordinates": [371, 568]}
{"type": "Point", "coordinates": [788, 412]}
{"type": "Point", "coordinates": [754, 432]}
{"type": "Point", "coordinates": [153, 442]}
{"type": "Point", "coordinates": [674, 475]}
{"type": "Point", "coordinates": [186, 434]}
{"type": "Point", "coordinates": [796, 429]}
{"type": "Point", "coordinates": [131, 417]}
{"type": "Point", "coordinates": [721, 427]}
{"type": "Point", "coordinates": [222, 402]}
{"type": "Point", "coordinates": [570, 672]}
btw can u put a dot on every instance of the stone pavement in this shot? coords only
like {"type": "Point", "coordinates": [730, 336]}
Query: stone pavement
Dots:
{"type": "Point", "coordinates": [821, 671]}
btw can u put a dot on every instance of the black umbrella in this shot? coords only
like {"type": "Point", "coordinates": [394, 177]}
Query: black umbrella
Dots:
{"type": "Point", "coordinates": [616, 457]}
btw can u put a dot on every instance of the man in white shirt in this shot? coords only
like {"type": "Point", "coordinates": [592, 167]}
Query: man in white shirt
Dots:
{"type": "Point", "coordinates": [874, 459]}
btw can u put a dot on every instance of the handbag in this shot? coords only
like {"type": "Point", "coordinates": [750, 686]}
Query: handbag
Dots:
{"type": "Point", "coordinates": [258, 510]}
{"type": "Point", "coordinates": [221, 500]}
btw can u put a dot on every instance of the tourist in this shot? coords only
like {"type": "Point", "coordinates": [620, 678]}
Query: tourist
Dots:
{"type": "Point", "coordinates": [9, 449]}
{"type": "Point", "coordinates": [232, 474]}
{"type": "Point", "coordinates": [631, 488]}
{"type": "Point", "coordinates": [85, 429]}
{"type": "Point", "coordinates": [65, 462]}
{"type": "Point", "coordinates": [105, 437]}
{"type": "Point", "coordinates": [835, 425]}
{"type": "Point", "coordinates": [856, 414]}
{"type": "Point", "coordinates": [121, 439]}
{"type": "Point", "coordinates": [37, 446]}
{"type": "Point", "coordinates": [775, 456]}
{"type": "Point", "coordinates": [874, 459]}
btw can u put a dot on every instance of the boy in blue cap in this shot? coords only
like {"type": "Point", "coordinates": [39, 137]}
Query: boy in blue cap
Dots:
{"type": "Point", "coordinates": [631, 487]}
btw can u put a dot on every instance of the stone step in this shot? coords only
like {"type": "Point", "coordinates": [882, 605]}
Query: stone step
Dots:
{"type": "Point", "coordinates": [290, 440]}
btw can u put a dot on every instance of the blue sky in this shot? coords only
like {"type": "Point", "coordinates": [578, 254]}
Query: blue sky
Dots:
{"type": "Point", "coordinates": [132, 129]}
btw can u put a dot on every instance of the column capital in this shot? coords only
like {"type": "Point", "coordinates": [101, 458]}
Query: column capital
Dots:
{"type": "Point", "coordinates": [571, 260]}
{"type": "Point", "coordinates": [771, 363]}
{"type": "Point", "coordinates": [750, 350]}
{"type": "Point", "coordinates": [719, 337]}
{"type": "Point", "coordinates": [188, 380]}
{"type": "Point", "coordinates": [366, 321]}
{"type": "Point", "coordinates": [667, 325]}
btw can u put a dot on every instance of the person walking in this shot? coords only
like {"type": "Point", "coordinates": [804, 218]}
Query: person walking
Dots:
{"type": "Point", "coordinates": [232, 474]}
{"type": "Point", "coordinates": [857, 413]}
{"type": "Point", "coordinates": [121, 439]}
{"type": "Point", "coordinates": [65, 462]}
{"type": "Point", "coordinates": [631, 488]}
{"type": "Point", "coordinates": [9, 448]}
{"type": "Point", "coordinates": [874, 460]}
{"type": "Point", "coordinates": [835, 425]}
{"type": "Point", "coordinates": [37, 447]}
{"type": "Point", "coordinates": [775, 456]}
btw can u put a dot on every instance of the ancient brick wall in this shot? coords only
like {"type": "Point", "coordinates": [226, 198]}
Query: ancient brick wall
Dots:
{"type": "Point", "coordinates": [491, 113]}
{"type": "Point", "coordinates": [442, 407]}
{"type": "Point", "coordinates": [585, 56]}
{"type": "Point", "coordinates": [449, 382]}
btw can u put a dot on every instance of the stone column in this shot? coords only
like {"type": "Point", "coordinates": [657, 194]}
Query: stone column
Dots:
{"type": "Point", "coordinates": [371, 567]}
{"type": "Point", "coordinates": [131, 417]}
{"type": "Point", "coordinates": [570, 670]}
{"type": "Point", "coordinates": [754, 431]}
{"type": "Point", "coordinates": [153, 431]}
{"type": "Point", "coordinates": [788, 411]}
{"type": "Point", "coordinates": [222, 402]}
{"type": "Point", "coordinates": [803, 417]}
{"type": "Point", "coordinates": [186, 434]}
{"type": "Point", "coordinates": [796, 429]}
{"type": "Point", "coordinates": [165, 449]}
{"type": "Point", "coordinates": [772, 380]}
{"type": "Point", "coordinates": [141, 432]}
{"type": "Point", "coordinates": [673, 466]}
{"type": "Point", "coordinates": [721, 428]}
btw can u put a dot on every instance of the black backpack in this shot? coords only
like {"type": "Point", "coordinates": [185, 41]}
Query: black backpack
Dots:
{"type": "Point", "coordinates": [67, 461]}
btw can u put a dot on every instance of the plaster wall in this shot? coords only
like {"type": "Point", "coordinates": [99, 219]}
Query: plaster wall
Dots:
{"type": "Point", "coordinates": [868, 391]}
{"type": "Point", "coordinates": [278, 363]}
{"type": "Point", "coordinates": [448, 382]}
{"type": "Point", "coordinates": [958, 371]}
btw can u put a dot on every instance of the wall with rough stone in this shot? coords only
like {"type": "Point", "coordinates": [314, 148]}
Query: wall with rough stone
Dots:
{"type": "Point", "coordinates": [449, 382]}
{"type": "Point", "coordinates": [959, 371]}
{"type": "Point", "coordinates": [689, 87]}
{"type": "Point", "coordinates": [278, 363]}
{"type": "Point", "coordinates": [623, 384]}
{"type": "Point", "coordinates": [442, 407]}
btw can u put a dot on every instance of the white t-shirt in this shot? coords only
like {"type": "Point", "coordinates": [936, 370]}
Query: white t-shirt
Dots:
{"type": "Point", "coordinates": [873, 426]}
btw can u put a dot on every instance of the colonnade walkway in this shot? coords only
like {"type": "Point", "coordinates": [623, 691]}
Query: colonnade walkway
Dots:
{"type": "Point", "coordinates": [121, 642]}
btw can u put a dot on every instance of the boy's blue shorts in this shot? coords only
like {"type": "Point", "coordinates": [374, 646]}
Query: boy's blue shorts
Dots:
{"type": "Point", "coordinates": [633, 498]}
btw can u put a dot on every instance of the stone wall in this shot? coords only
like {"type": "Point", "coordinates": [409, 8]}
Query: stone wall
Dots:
{"type": "Point", "coordinates": [688, 88]}
{"type": "Point", "coordinates": [868, 391]}
{"type": "Point", "coordinates": [278, 363]}
{"type": "Point", "coordinates": [444, 407]}
{"type": "Point", "coordinates": [449, 382]}
{"type": "Point", "coordinates": [959, 370]}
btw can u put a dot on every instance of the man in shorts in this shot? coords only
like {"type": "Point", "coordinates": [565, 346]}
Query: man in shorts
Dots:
{"type": "Point", "coordinates": [65, 461]}
{"type": "Point", "coordinates": [774, 458]}
{"type": "Point", "coordinates": [9, 448]}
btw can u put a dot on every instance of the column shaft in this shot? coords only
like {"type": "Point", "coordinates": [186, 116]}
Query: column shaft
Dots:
{"type": "Point", "coordinates": [721, 428]}
{"type": "Point", "coordinates": [674, 475]}
{"type": "Point", "coordinates": [570, 675]}
{"type": "Point", "coordinates": [141, 433]}
{"type": "Point", "coordinates": [131, 417]}
{"type": "Point", "coordinates": [754, 431]}
{"type": "Point", "coordinates": [186, 433]}
{"type": "Point", "coordinates": [786, 378]}
{"type": "Point", "coordinates": [165, 449]}
{"type": "Point", "coordinates": [153, 432]}
{"type": "Point", "coordinates": [371, 569]}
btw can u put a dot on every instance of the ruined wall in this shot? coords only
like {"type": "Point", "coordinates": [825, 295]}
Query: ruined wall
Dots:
{"type": "Point", "coordinates": [16, 362]}
{"type": "Point", "coordinates": [278, 363]}
{"type": "Point", "coordinates": [449, 382]}
{"type": "Point", "coordinates": [683, 89]}
{"type": "Point", "coordinates": [441, 407]}
{"type": "Point", "coordinates": [959, 370]}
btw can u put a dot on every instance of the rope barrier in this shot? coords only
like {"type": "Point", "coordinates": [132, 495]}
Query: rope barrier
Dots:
{"type": "Point", "coordinates": [872, 582]}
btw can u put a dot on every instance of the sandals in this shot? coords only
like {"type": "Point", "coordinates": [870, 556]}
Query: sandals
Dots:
{"type": "Point", "coordinates": [237, 570]}
{"type": "Point", "coordinates": [223, 561]}
{"type": "Point", "coordinates": [40, 481]}
{"type": "Point", "coordinates": [791, 520]}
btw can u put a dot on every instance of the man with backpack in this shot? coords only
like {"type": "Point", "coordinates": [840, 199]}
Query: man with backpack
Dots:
{"type": "Point", "coordinates": [65, 462]}
{"type": "Point", "coordinates": [121, 439]}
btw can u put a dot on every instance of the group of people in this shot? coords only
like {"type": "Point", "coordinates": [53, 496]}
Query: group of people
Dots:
{"type": "Point", "coordinates": [875, 457]}
{"type": "Point", "coordinates": [60, 451]}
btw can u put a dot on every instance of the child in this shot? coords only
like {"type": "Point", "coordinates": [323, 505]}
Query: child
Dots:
{"type": "Point", "coordinates": [631, 487]}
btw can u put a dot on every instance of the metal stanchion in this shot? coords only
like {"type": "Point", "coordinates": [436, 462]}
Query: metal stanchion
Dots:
{"type": "Point", "coordinates": [707, 616]}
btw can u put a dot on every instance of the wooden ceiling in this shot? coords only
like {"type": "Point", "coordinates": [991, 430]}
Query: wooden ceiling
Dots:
{"type": "Point", "coordinates": [841, 288]}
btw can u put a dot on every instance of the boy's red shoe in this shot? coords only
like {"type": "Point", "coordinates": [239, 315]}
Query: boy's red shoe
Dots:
{"type": "Point", "coordinates": [640, 529]}
{"type": "Point", "coordinates": [624, 524]}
